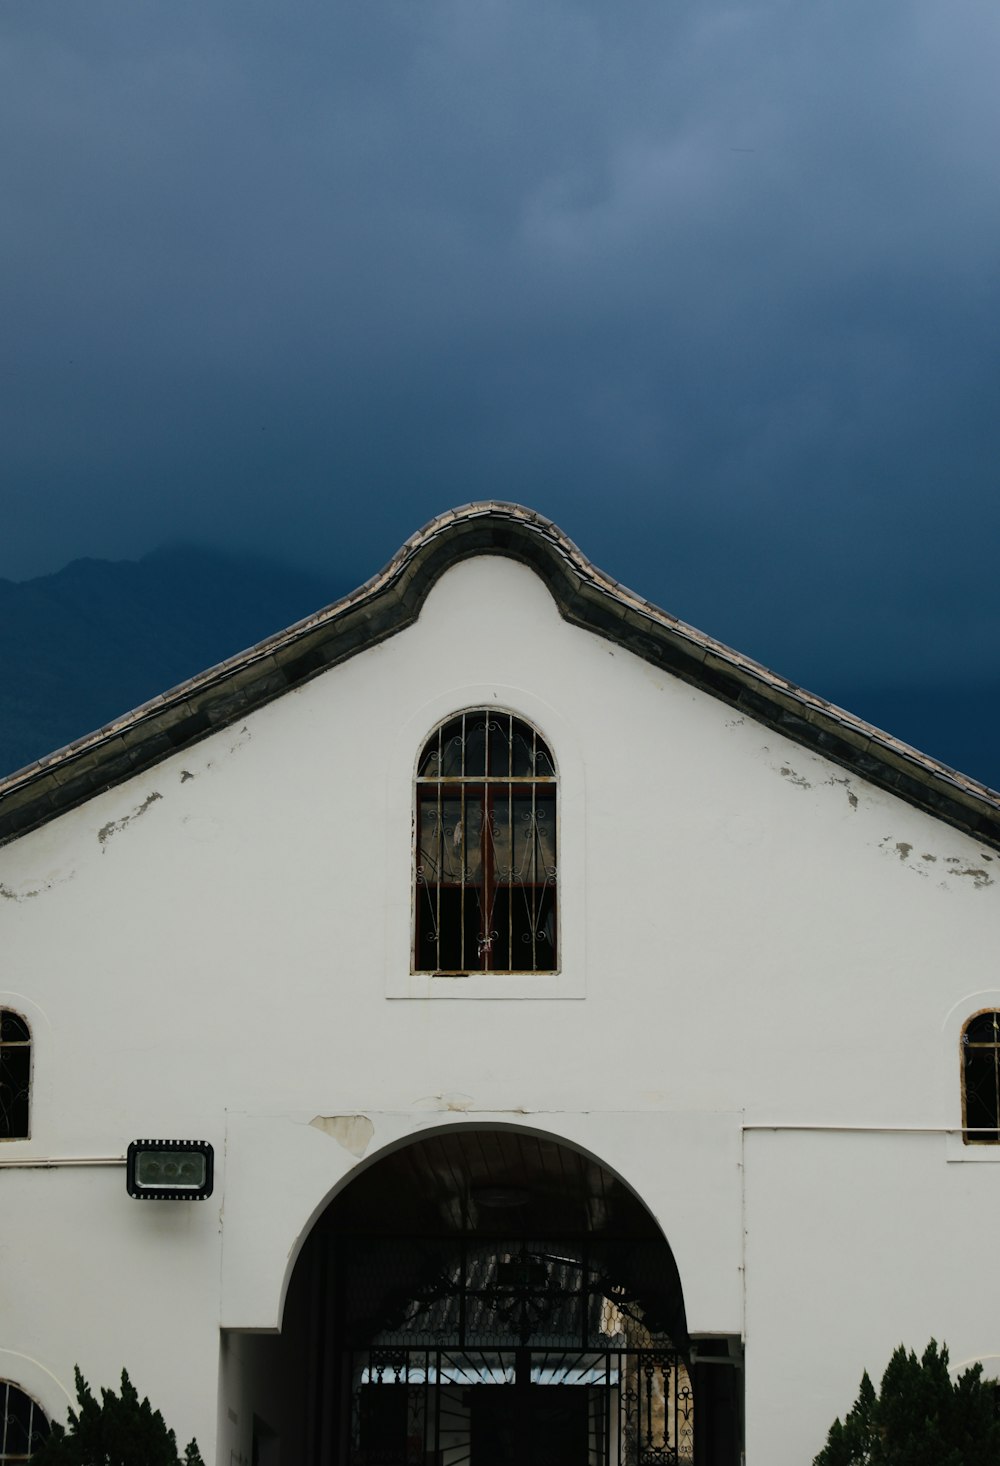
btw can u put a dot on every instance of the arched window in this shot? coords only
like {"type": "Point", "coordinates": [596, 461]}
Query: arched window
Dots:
{"type": "Point", "coordinates": [485, 863]}
{"type": "Point", "coordinates": [981, 1079]}
{"type": "Point", "coordinates": [15, 1075]}
{"type": "Point", "coordinates": [23, 1426]}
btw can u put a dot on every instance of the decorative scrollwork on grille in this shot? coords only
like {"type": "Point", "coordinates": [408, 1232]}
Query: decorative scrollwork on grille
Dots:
{"type": "Point", "coordinates": [380, 1360]}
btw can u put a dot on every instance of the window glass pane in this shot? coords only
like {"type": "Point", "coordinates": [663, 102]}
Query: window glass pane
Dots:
{"type": "Point", "coordinates": [13, 1028]}
{"type": "Point", "coordinates": [534, 836]}
{"type": "Point", "coordinates": [499, 746]}
{"type": "Point", "coordinates": [544, 767]}
{"type": "Point", "coordinates": [15, 1069]}
{"type": "Point", "coordinates": [475, 746]}
{"type": "Point", "coordinates": [525, 927]}
{"type": "Point", "coordinates": [473, 840]}
{"type": "Point", "coordinates": [428, 841]}
{"type": "Point", "coordinates": [459, 844]}
{"type": "Point", "coordinates": [430, 760]}
{"type": "Point", "coordinates": [451, 749]}
{"type": "Point", "coordinates": [24, 1425]}
{"type": "Point", "coordinates": [522, 751]}
{"type": "Point", "coordinates": [427, 930]}
{"type": "Point", "coordinates": [459, 930]}
{"type": "Point", "coordinates": [500, 945]}
{"type": "Point", "coordinates": [498, 837]}
{"type": "Point", "coordinates": [18, 1424]}
{"type": "Point", "coordinates": [452, 840]}
{"type": "Point", "coordinates": [982, 1094]}
{"type": "Point", "coordinates": [547, 927]}
{"type": "Point", "coordinates": [524, 838]}
{"type": "Point", "coordinates": [985, 1029]}
{"type": "Point", "coordinates": [450, 930]}
{"type": "Point", "coordinates": [530, 754]}
{"type": "Point", "coordinates": [39, 1429]}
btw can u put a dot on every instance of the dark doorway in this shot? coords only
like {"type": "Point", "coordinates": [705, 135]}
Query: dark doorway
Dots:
{"type": "Point", "coordinates": [492, 1298]}
{"type": "Point", "coordinates": [526, 1407]}
{"type": "Point", "coordinates": [541, 1425]}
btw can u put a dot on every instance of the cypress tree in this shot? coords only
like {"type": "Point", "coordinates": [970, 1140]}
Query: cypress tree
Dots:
{"type": "Point", "coordinates": [920, 1417]}
{"type": "Point", "coordinates": [121, 1430]}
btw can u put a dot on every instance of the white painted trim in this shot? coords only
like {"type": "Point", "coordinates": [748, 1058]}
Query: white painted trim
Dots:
{"type": "Point", "coordinates": [31, 1376]}
{"type": "Point", "coordinates": [990, 1363]}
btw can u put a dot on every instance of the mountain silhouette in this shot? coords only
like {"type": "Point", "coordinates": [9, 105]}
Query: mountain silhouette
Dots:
{"type": "Point", "coordinates": [99, 637]}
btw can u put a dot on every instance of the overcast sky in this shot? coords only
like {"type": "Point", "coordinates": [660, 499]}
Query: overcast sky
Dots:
{"type": "Point", "coordinates": [716, 286]}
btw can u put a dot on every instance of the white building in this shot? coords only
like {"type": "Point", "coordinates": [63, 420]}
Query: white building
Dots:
{"type": "Point", "coordinates": [542, 1090]}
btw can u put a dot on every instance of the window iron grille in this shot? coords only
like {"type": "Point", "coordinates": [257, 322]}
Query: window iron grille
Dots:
{"type": "Point", "coordinates": [473, 1294]}
{"type": "Point", "coordinates": [981, 1079]}
{"type": "Point", "coordinates": [613, 1407]}
{"type": "Point", "coordinates": [15, 1075]}
{"type": "Point", "coordinates": [23, 1425]}
{"type": "Point", "coordinates": [485, 868]}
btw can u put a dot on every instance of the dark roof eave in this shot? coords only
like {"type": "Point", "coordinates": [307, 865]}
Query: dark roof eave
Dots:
{"type": "Point", "coordinates": [391, 601]}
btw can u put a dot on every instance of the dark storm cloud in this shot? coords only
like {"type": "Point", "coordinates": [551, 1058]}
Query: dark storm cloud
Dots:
{"type": "Point", "coordinates": [713, 285]}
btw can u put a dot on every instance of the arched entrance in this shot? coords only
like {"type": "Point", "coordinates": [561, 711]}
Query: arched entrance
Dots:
{"type": "Point", "coordinates": [488, 1297]}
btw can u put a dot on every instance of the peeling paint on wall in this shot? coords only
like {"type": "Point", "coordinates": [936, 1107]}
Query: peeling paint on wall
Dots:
{"type": "Point", "coordinates": [801, 782]}
{"type": "Point", "coordinates": [979, 877]}
{"type": "Point", "coordinates": [852, 798]}
{"type": "Point", "coordinates": [242, 738]}
{"type": "Point", "coordinates": [113, 827]}
{"type": "Point", "coordinates": [353, 1132]}
{"type": "Point", "coordinates": [955, 865]}
{"type": "Point", "coordinates": [9, 893]}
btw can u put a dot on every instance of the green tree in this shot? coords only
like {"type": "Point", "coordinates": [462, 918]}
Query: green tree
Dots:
{"type": "Point", "coordinates": [920, 1417]}
{"type": "Point", "coordinates": [121, 1430]}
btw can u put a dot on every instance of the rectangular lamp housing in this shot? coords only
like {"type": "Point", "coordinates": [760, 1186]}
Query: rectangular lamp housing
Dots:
{"type": "Point", "coordinates": [169, 1170]}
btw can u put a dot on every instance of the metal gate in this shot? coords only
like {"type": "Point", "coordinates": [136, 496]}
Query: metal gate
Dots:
{"type": "Point", "coordinates": [519, 1407]}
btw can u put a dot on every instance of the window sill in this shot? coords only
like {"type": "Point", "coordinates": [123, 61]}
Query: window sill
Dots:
{"type": "Point", "coordinates": [982, 1154]}
{"type": "Point", "coordinates": [489, 985]}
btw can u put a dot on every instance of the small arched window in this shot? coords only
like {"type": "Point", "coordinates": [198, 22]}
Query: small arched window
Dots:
{"type": "Point", "coordinates": [15, 1075]}
{"type": "Point", "coordinates": [981, 1079]}
{"type": "Point", "coordinates": [23, 1425]}
{"type": "Point", "coordinates": [485, 882]}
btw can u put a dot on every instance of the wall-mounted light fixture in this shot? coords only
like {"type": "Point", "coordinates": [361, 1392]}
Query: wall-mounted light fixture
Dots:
{"type": "Point", "coordinates": [169, 1170]}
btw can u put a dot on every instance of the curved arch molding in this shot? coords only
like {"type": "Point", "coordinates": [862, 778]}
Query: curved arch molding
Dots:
{"type": "Point", "coordinates": [267, 1221]}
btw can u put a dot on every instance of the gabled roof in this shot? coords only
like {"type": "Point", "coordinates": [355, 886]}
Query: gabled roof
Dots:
{"type": "Point", "coordinates": [391, 601]}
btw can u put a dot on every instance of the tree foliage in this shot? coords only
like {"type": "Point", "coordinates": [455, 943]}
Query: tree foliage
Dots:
{"type": "Point", "coordinates": [120, 1430]}
{"type": "Point", "coordinates": [920, 1417]}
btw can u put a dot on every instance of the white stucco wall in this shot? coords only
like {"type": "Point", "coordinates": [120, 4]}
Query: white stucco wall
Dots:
{"type": "Point", "coordinates": [870, 1240]}
{"type": "Point", "coordinates": [749, 937]}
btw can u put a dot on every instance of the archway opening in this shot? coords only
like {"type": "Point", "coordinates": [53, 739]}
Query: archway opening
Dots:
{"type": "Point", "coordinates": [482, 1297]}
